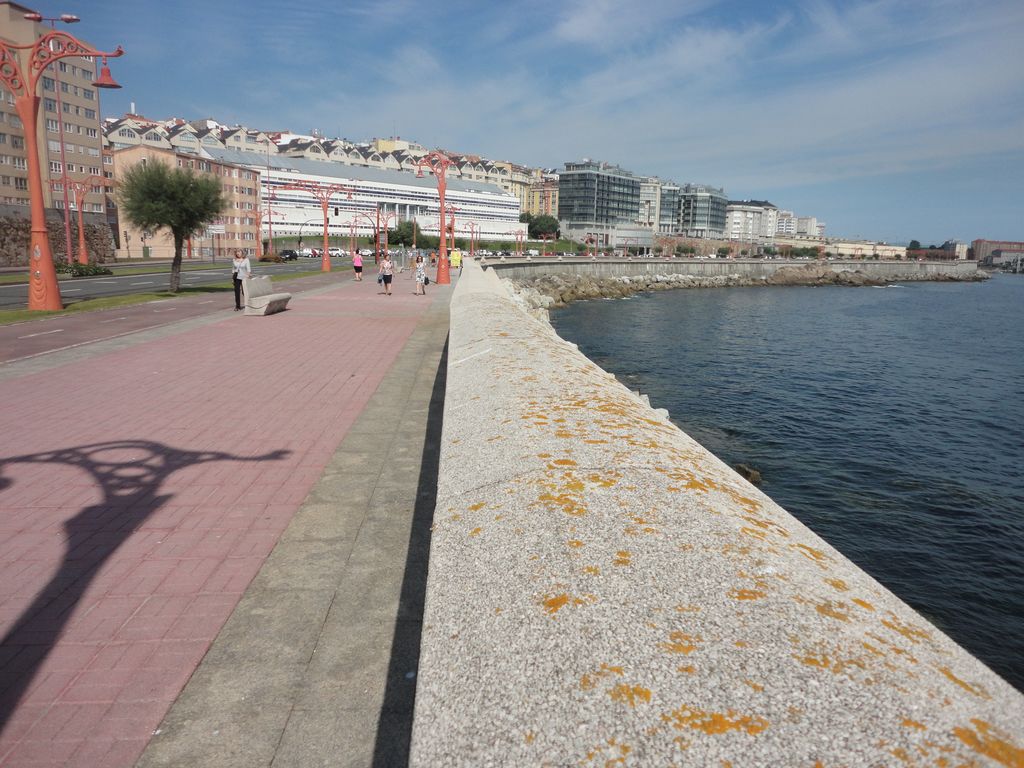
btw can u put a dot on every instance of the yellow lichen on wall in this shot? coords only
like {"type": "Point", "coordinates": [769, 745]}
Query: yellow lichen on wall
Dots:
{"type": "Point", "coordinates": [680, 642]}
{"type": "Point", "coordinates": [713, 723]}
{"type": "Point", "coordinates": [987, 740]}
{"type": "Point", "coordinates": [630, 694]}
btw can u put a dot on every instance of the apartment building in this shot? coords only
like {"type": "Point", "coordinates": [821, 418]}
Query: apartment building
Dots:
{"type": "Point", "coordinates": [237, 226]}
{"type": "Point", "coordinates": [68, 135]}
{"type": "Point", "coordinates": [542, 198]}
{"type": "Point", "coordinates": [659, 205]}
{"type": "Point", "coordinates": [702, 211]}
{"type": "Point", "coordinates": [601, 201]}
{"type": "Point", "coordinates": [751, 220]}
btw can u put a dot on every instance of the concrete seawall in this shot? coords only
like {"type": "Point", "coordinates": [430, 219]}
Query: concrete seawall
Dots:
{"type": "Point", "coordinates": [605, 591]}
{"type": "Point", "coordinates": [749, 268]}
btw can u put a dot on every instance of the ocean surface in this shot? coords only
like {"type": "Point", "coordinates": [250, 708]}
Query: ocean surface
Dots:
{"type": "Point", "coordinates": [888, 420]}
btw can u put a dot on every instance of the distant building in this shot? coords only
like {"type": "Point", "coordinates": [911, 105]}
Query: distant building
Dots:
{"type": "Point", "coordinates": [236, 228]}
{"type": "Point", "coordinates": [751, 220]}
{"type": "Point", "coordinates": [865, 249]}
{"type": "Point", "coordinates": [985, 249]}
{"type": "Point", "coordinates": [659, 205]}
{"type": "Point", "coordinates": [600, 201]}
{"type": "Point", "coordinates": [542, 198]}
{"type": "Point", "coordinates": [69, 114]}
{"type": "Point", "coordinates": [702, 211]}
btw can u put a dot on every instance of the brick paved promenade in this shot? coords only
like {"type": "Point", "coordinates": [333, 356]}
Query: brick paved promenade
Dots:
{"type": "Point", "coordinates": [143, 484]}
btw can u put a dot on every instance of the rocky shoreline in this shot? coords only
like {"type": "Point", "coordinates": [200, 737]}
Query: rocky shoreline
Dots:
{"type": "Point", "coordinates": [537, 295]}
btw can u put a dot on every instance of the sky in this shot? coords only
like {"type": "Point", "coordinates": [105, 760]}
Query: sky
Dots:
{"type": "Point", "coordinates": [886, 119]}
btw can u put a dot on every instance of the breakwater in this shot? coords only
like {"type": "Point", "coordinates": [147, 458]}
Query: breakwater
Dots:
{"type": "Point", "coordinates": [602, 588]}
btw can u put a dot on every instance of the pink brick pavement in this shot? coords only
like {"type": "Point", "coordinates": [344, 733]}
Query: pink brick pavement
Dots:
{"type": "Point", "coordinates": [139, 495]}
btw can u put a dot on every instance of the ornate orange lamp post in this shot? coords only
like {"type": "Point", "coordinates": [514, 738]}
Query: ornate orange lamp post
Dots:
{"type": "Point", "coordinates": [80, 188]}
{"type": "Point", "coordinates": [323, 193]}
{"type": "Point", "coordinates": [43, 291]}
{"type": "Point", "coordinates": [438, 164]}
{"type": "Point", "coordinates": [474, 233]}
{"type": "Point", "coordinates": [519, 243]}
{"type": "Point", "coordinates": [375, 224]}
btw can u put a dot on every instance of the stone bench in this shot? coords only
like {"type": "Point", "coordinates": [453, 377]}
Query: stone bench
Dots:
{"type": "Point", "coordinates": [260, 298]}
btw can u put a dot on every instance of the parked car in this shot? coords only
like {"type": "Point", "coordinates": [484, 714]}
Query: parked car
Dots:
{"type": "Point", "coordinates": [288, 255]}
{"type": "Point", "coordinates": [332, 251]}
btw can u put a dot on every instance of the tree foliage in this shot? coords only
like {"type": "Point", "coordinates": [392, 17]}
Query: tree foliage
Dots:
{"type": "Point", "coordinates": [155, 196]}
{"type": "Point", "coordinates": [915, 245]}
{"type": "Point", "coordinates": [542, 225]}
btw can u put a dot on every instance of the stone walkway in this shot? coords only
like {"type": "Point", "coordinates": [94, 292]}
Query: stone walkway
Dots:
{"type": "Point", "coordinates": [144, 483]}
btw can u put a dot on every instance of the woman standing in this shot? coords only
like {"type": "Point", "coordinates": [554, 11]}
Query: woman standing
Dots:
{"type": "Point", "coordinates": [421, 276]}
{"type": "Point", "coordinates": [240, 270]}
{"type": "Point", "coordinates": [357, 265]}
{"type": "Point", "coordinates": [387, 271]}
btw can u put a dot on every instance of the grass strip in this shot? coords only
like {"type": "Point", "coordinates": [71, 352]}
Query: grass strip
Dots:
{"type": "Point", "coordinates": [10, 316]}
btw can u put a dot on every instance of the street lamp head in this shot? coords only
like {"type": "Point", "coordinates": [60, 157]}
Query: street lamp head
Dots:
{"type": "Point", "coordinates": [69, 18]}
{"type": "Point", "coordinates": [105, 80]}
{"type": "Point", "coordinates": [34, 16]}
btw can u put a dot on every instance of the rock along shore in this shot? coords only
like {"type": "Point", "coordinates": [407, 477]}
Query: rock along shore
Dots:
{"type": "Point", "coordinates": [558, 290]}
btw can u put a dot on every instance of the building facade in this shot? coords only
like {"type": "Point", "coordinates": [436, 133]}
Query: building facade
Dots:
{"type": "Point", "coordinates": [235, 229]}
{"type": "Point", "coordinates": [601, 202]}
{"type": "Point", "coordinates": [702, 211]}
{"type": "Point", "coordinates": [753, 221]}
{"type": "Point", "coordinates": [542, 198]}
{"type": "Point", "coordinates": [396, 195]}
{"type": "Point", "coordinates": [68, 135]}
{"type": "Point", "coordinates": [983, 250]}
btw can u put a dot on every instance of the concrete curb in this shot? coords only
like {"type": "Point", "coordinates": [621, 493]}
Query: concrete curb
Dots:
{"type": "Point", "coordinates": [603, 590]}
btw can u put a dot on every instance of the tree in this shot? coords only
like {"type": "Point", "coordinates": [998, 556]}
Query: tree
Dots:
{"type": "Point", "coordinates": [153, 196]}
{"type": "Point", "coordinates": [915, 245]}
{"type": "Point", "coordinates": [525, 217]}
{"type": "Point", "coordinates": [403, 234]}
{"type": "Point", "coordinates": [542, 225]}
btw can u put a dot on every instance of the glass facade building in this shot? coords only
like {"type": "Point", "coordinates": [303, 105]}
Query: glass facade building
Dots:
{"type": "Point", "coordinates": [702, 211]}
{"type": "Point", "coordinates": [597, 196]}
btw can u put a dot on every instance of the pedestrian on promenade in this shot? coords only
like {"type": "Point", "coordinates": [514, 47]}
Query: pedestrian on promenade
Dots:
{"type": "Point", "coordinates": [240, 270]}
{"type": "Point", "coordinates": [387, 271]}
{"type": "Point", "coordinates": [357, 265]}
{"type": "Point", "coordinates": [421, 276]}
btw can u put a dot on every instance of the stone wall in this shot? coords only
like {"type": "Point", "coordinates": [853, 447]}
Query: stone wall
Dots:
{"type": "Point", "coordinates": [748, 268]}
{"type": "Point", "coordinates": [602, 590]}
{"type": "Point", "coordinates": [16, 233]}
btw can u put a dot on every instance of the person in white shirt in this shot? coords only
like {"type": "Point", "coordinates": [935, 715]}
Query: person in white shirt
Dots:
{"type": "Point", "coordinates": [240, 270]}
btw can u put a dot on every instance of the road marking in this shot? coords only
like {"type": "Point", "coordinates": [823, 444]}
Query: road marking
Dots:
{"type": "Point", "coordinates": [114, 320]}
{"type": "Point", "coordinates": [207, 302]}
{"type": "Point", "coordinates": [148, 282]}
{"type": "Point", "coordinates": [169, 309]}
{"type": "Point", "coordinates": [41, 333]}
{"type": "Point", "coordinates": [72, 290]}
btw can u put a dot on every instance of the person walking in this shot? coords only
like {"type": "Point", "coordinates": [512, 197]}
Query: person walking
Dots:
{"type": "Point", "coordinates": [240, 270]}
{"type": "Point", "coordinates": [357, 265]}
{"type": "Point", "coordinates": [387, 272]}
{"type": "Point", "coordinates": [421, 277]}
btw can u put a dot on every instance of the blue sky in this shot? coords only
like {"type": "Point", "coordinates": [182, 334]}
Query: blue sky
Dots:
{"type": "Point", "coordinates": [888, 119]}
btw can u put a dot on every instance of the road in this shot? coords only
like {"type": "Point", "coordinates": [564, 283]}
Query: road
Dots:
{"type": "Point", "coordinates": [77, 289]}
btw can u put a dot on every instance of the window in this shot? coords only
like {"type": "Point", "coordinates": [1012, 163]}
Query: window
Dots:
{"type": "Point", "coordinates": [53, 146]}
{"type": "Point", "coordinates": [20, 163]}
{"type": "Point", "coordinates": [108, 160]}
{"type": "Point", "coordinates": [17, 142]}
{"type": "Point", "coordinates": [52, 126]}
{"type": "Point", "coordinates": [55, 167]}
{"type": "Point", "coordinates": [3, 138]}
{"type": "Point", "coordinates": [151, 136]}
{"type": "Point", "coordinates": [50, 105]}
{"type": "Point", "coordinates": [21, 183]}
{"type": "Point", "coordinates": [90, 114]}
{"type": "Point", "coordinates": [49, 84]}
{"type": "Point", "coordinates": [88, 94]}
